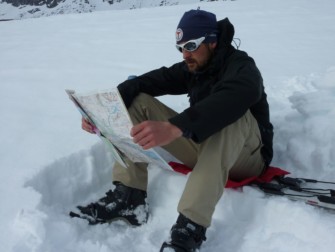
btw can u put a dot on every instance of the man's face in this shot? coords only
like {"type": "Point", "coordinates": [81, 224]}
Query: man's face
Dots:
{"type": "Point", "coordinates": [199, 59]}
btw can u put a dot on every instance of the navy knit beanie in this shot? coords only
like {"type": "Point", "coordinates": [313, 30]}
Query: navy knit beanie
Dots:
{"type": "Point", "coordinates": [195, 24]}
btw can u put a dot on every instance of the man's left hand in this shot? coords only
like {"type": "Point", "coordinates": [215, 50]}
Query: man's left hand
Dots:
{"type": "Point", "coordinates": [150, 134]}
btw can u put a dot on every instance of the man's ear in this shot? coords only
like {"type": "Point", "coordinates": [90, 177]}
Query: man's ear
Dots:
{"type": "Point", "coordinates": [212, 45]}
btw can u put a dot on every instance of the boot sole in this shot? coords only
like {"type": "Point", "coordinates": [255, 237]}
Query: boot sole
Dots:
{"type": "Point", "coordinates": [93, 221]}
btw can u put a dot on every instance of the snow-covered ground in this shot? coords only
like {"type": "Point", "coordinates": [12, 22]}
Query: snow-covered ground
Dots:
{"type": "Point", "coordinates": [8, 11]}
{"type": "Point", "coordinates": [49, 165]}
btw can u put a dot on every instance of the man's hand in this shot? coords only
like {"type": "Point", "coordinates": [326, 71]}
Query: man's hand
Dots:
{"type": "Point", "coordinates": [87, 126]}
{"type": "Point", "coordinates": [149, 134]}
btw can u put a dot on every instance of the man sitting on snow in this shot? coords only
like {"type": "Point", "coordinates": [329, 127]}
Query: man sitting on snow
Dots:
{"type": "Point", "coordinates": [226, 131]}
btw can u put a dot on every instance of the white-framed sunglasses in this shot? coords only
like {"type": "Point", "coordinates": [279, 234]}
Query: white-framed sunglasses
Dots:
{"type": "Point", "coordinates": [190, 45]}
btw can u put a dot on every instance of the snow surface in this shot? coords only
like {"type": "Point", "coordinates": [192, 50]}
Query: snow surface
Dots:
{"type": "Point", "coordinates": [49, 165]}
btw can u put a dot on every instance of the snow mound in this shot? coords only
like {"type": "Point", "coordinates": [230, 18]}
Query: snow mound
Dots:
{"type": "Point", "coordinates": [305, 138]}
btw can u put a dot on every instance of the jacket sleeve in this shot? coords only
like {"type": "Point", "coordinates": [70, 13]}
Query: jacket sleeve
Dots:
{"type": "Point", "coordinates": [158, 82]}
{"type": "Point", "coordinates": [230, 99]}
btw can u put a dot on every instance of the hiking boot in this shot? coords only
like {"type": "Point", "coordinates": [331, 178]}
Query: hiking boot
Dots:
{"type": "Point", "coordinates": [124, 203]}
{"type": "Point", "coordinates": [185, 236]}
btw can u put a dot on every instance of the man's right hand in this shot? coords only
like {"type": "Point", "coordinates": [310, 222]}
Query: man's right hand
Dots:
{"type": "Point", "coordinates": [87, 126]}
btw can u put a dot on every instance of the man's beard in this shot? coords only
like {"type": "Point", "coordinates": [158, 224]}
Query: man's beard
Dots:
{"type": "Point", "coordinates": [193, 65]}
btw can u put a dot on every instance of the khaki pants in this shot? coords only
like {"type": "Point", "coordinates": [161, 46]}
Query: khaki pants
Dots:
{"type": "Point", "coordinates": [234, 151]}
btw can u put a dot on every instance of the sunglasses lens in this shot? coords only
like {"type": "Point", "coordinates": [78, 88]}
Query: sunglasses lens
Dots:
{"type": "Point", "coordinates": [190, 46]}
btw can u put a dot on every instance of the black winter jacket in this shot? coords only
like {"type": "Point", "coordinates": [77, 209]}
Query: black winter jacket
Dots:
{"type": "Point", "coordinates": [218, 96]}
